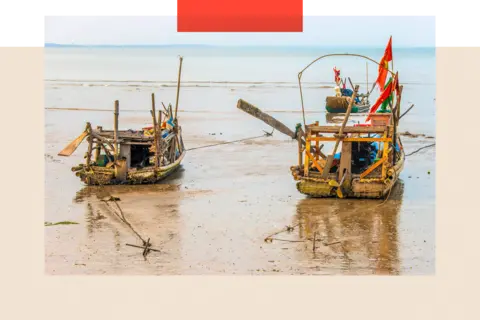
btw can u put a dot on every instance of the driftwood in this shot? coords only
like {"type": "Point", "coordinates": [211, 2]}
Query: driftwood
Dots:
{"type": "Point", "coordinates": [140, 247]}
{"type": "Point", "coordinates": [287, 228]}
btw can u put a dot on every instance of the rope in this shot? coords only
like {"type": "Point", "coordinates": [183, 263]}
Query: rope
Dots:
{"type": "Point", "coordinates": [123, 219]}
{"type": "Point", "coordinates": [388, 196]}
{"type": "Point", "coordinates": [430, 145]}
{"type": "Point", "coordinates": [267, 134]}
{"type": "Point", "coordinates": [301, 98]}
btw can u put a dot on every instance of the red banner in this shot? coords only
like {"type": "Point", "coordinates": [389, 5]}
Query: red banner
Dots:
{"type": "Point", "coordinates": [240, 16]}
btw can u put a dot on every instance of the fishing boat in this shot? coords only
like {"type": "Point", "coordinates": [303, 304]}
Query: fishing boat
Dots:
{"type": "Point", "coordinates": [143, 156]}
{"type": "Point", "coordinates": [371, 155]}
{"type": "Point", "coordinates": [339, 102]}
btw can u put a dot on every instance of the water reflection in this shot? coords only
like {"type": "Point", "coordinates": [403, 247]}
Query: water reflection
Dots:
{"type": "Point", "coordinates": [355, 236]}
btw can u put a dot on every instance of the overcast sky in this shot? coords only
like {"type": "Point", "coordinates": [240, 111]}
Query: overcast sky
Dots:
{"type": "Point", "coordinates": [317, 31]}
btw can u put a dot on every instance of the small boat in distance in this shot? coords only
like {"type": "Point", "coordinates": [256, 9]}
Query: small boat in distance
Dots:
{"type": "Point", "coordinates": [143, 156]}
{"type": "Point", "coordinates": [339, 102]}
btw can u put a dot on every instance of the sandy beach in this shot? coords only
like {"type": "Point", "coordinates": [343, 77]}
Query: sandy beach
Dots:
{"type": "Point", "coordinates": [213, 214]}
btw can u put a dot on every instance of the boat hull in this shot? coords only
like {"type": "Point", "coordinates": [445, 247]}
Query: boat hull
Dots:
{"type": "Point", "coordinates": [355, 109]}
{"type": "Point", "coordinates": [104, 176]}
{"type": "Point", "coordinates": [369, 188]}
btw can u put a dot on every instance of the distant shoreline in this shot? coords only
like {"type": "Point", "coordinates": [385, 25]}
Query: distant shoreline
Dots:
{"type": "Point", "coordinates": [206, 46]}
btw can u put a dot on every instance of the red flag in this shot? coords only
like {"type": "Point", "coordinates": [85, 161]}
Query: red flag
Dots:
{"type": "Point", "coordinates": [383, 66]}
{"type": "Point", "coordinates": [392, 87]}
{"type": "Point", "coordinates": [337, 75]}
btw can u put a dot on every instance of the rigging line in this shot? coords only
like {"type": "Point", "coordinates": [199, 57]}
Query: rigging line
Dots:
{"type": "Point", "coordinates": [267, 134]}
{"type": "Point", "coordinates": [430, 145]}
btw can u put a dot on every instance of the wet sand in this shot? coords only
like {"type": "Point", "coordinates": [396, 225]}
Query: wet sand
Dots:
{"type": "Point", "coordinates": [212, 216]}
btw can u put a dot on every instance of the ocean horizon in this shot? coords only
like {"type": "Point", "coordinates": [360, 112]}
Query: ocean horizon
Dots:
{"type": "Point", "coordinates": [199, 45]}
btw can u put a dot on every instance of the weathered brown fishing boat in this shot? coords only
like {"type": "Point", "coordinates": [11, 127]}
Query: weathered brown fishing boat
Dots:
{"type": "Point", "coordinates": [371, 156]}
{"type": "Point", "coordinates": [132, 156]}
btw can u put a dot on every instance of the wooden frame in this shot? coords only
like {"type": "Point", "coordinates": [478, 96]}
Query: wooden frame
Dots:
{"type": "Point", "coordinates": [314, 134]}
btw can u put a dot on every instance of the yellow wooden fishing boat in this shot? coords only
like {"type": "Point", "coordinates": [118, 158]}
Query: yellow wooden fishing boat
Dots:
{"type": "Point", "coordinates": [371, 155]}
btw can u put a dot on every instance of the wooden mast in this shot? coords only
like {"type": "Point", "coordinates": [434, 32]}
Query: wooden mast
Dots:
{"type": "Point", "coordinates": [155, 130]}
{"type": "Point", "coordinates": [115, 130]}
{"type": "Point", "coordinates": [178, 86]}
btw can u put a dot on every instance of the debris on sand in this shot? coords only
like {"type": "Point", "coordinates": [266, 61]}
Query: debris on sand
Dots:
{"type": "Point", "coordinates": [415, 135]}
{"type": "Point", "coordinates": [412, 135]}
{"type": "Point", "coordinates": [48, 224]}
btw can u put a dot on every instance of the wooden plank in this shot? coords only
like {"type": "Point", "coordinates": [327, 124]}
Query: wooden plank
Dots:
{"type": "Point", "coordinates": [385, 158]}
{"type": "Point", "coordinates": [320, 153]}
{"type": "Point", "coordinates": [307, 151]}
{"type": "Point", "coordinates": [137, 143]}
{"type": "Point", "coordinates": [124, 136]}
{"type": "Point", "coordinates": [121, 170]}
{"type": "Point", "coordinates": [271, 121]}
{"type": "Point", "coordinates": [314, 161]}
{"type": "Point", "coordinates": [68, 150]}
{"type": "Point", "coordinates": [345, 159]}
{"type": "Point", "coordinates": [353, 139]}
{"type": "Point", "coordinates": [371, 168]}
{"type": "Point", "coordinates": [125, 152]}
{"type": "Point", "coordinates": [300, 147]}
{"type": "Point", "coordinates": [347, 129]}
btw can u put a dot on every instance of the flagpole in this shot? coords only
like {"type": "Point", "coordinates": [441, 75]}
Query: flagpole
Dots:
{"type": "Point", "coordinates": [393, 70]}
{"type": "Point", "coordinates": [366, 65]}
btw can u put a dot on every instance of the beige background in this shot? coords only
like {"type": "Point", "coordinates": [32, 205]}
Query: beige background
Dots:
{"type": "Point", "coordinates": [29, 294]}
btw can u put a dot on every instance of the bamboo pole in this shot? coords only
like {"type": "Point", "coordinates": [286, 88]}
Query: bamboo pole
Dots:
{"type": "Point", "coordinates": [395, 115]}
{"type": "Point", "coordinates": [98, 146]}
{"type": "Point", "coordinates": [115, 129]}
{"type": "Point", "coordinates": [155, 130]}
{"type": "Point", "coordinates": [178, 86]}
{"type": "Point", "coordinates": [90, 145]}
{"type": "Point", "coordinates": [328, 164]}
{"type": "Point", "coordinates": [300, 134]}
{"type": "Point", "coordinates": [160, 136]}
